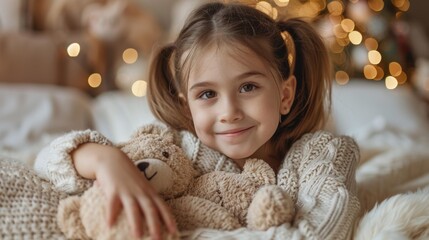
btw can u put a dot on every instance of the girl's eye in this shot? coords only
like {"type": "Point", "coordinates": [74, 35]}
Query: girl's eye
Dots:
{"type": "Point", "coordinates": [247, 88]}
{"type": "Point", "coordinates": [207, 95]}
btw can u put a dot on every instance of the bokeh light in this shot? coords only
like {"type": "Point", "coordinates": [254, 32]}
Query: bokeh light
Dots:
{"type": "Point", "coordinates": [374, 57]}
{"type": "Point", "coordinates": [342, 77]}
{"type": "Point", "coordinates": [73, 49]}
{"type": "Point", "coordinates": [139, 88]}
{"type": "Point", "coordinates": [94, 80]}
{"type": "Point", "coordinates": [391, 82]}
{"type": "Point", "coordinates": [130, 55]}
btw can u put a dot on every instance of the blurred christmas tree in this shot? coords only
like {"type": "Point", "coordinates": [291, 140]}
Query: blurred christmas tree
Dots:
{"type": "Point", "coordinates": [366, 38]}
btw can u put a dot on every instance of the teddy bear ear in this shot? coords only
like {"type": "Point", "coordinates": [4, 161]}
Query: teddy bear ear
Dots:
{"type": "Point", "coordinates": [148, 129]}
{"type": "Point", "coordinates": [160, 130]}
{"type": "Point", "coordinates": [168, 135]}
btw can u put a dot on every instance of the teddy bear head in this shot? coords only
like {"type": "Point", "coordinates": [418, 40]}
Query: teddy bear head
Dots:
{"type": "Point", "coordinates": [162, 162]}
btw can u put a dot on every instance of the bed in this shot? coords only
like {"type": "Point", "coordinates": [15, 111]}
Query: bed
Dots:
{"type": "Point", "coordinates": [390, 126]}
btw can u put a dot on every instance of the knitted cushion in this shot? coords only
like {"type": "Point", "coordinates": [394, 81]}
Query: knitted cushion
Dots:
{"type": "Point", "coordinates": [28, 204]}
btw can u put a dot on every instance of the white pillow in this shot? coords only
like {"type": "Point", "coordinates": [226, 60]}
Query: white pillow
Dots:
{"type": "Point", "coordinates": [29, 113]}
{"type": "Point", "coordinates": [362, 103]}
{"type": "Point", "coordinates": [118, 114]}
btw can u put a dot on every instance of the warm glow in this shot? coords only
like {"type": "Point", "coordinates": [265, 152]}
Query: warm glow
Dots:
{"type": "Point", "coordinates": [73, 49]}
{"type": "Point", "coordinates": [343, 41]}
{"type": "Point", "coordinates": [130, 55]}
{"type": "Point", "coordinates": [339, 31]}
{"type": "Point", "coordinates": [355, 37]}
{"type": "Point", "coordinates": [342, 77]}
{"type": "Point", "coordinates": [376, 5]}
{"type": "Point", "coordinates": [336, 48]}
{"type": "Point", "coordinates": [402, 78]}
{"type": "Point", "coordinates": [395, 69]}
{"type": "Point", "coordinates": [339, 58]}
{"type": "Point", "coordinates": [371, 44]}
{"type": "Point", "coordinates": [374, 57]}
{"type": "Point", "coordinates": [398, 3]}
{"type": "Point", "coordinates": [266, 8]}
{"type": "Point", "coordinates": [94, 80]}
{"type": "Point", "coordinates": [281, 3]}
{"type": "Point", "coordinates": [348, 25]}
{"type": "Point", "coordinates": [391, 82]}
{"type": "Point", "coordinates": [380, 73]}
{"type": "Point", "coordinates": [370, 72]}
{"type": "Point", "coordinates": [335, 8]}
{"type": "Point", "coordinates": [139, 88]}
{"type": "Point", "coordinates": [405, 7]}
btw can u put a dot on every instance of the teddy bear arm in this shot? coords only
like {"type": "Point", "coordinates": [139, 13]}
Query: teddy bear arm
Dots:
{"type": "Point", "coordinates": [193, 212]}
{"type": "Point", "coordinates": [259, 171]}
{"type": "Point", "coordinates": [271, 206]}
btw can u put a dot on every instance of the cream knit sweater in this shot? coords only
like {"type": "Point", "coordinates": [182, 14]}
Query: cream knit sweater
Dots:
{"type": "Point", "coordinates": [318, 173]}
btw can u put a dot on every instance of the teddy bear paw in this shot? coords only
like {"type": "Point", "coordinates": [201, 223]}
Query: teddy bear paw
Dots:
{"type": "Point", "coordinates": [271, 206]}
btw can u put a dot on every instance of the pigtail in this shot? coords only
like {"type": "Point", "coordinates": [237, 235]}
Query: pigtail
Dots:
{"type": "Point", "coordinates": [165, 100]}
{"type": "Point", "coordinates": [311, 67]}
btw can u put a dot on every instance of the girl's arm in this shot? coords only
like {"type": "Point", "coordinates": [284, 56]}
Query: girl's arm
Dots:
{"type": "Point", "coordinates": [54, 162]}
{"type": "Point", "coordinates": [74, 160]}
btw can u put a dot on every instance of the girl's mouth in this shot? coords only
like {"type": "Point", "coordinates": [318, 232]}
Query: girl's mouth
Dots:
{"type": "Point", "coordinates": [233, 132]}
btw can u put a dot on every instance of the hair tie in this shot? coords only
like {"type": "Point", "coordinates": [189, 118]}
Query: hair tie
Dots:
{"type": "Point", "coordinates": [290, 45]}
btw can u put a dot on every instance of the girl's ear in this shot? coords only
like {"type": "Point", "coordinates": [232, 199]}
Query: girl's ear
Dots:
{"type": "Point", "coordinates": [288, 88]}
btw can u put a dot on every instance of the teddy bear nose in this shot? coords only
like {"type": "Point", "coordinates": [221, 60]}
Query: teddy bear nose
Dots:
{"type": "Point", "coordinates": [142, 166]}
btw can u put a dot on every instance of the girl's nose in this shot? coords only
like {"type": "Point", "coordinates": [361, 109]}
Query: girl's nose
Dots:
{"type": "Point", "coordinates": [230, 111]}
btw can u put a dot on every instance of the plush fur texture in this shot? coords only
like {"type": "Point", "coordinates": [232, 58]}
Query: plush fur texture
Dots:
{"type": "Point", "coordinates": [230, 200]}
{"type": "Point", "coordinates": [403, 216]}
{"type": "Point", "coordinates": [81, 217]}
{"type": "Point", "coordinates": [219, 200]}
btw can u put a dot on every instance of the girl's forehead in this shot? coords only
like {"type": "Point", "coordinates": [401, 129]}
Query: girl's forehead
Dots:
{"type": "Point", "coordinates": [235, 52]}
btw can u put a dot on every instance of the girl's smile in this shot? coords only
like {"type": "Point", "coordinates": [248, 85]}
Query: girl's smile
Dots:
{"type": "Point", "coordinates": [234, 100]}
{"type": "Point", "coordinates": [235, 135]}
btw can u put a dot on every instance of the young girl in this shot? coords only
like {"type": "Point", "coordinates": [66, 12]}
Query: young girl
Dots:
{"type": "Point", "coordinates": [235, 85]}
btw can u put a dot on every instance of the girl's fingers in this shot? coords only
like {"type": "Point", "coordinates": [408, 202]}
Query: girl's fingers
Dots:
{"type": "Point", "coordinates": [152, 217]}
{"type": "Point", "coordinates": [166, 215]}
{"type": "Point", "coordinates": [134, 216]}
{"type": "Point", "coordinates": [114, 207]}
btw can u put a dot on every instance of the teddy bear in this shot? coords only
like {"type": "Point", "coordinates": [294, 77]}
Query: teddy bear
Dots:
{"type": "Point", "coordinates": [218, 200]}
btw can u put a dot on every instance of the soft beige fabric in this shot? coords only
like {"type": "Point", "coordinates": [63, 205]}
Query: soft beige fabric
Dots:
{"type": "Point", "coordinates": [318, 173]}
{"type": "Point", "coordinates": [28, 205]}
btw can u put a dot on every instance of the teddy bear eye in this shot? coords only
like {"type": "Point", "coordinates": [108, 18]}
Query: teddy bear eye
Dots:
{"type": "Point", "coordinates": [165, 154]}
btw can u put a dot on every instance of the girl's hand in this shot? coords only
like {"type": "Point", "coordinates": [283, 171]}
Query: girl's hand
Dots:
{"type": "Point", "coordinates": [126, 188]}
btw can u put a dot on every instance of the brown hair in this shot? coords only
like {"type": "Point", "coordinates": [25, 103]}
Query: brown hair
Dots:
{"type": "Point", "coordinates": [245, 26]}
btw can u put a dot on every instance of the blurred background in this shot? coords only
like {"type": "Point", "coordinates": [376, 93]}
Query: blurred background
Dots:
{"type": "Point", "coordinates": [101, 45]}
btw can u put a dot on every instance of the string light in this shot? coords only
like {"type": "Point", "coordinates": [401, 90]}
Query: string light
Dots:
{"type": "Point", "coordinates": [391, 82]}
{"type": "Point", "coordinates": [94, 80]}
{"type": "Point", "coordinates": [73, 49]}
{"type": "Point", "coordinates": [342, 77]}
{"type": "Point", "coordinates": [139, 88]}
{"type": "Point", "coordinates": [349, 29]}
{"type": "Point", "coordinates": [374, 57]}
{"type": "Point", "coordinates": [370, 72]}
{"type": "Point", "coordinates": [355, 37]}
{"type": "Point", "coordinates": [130, 55]}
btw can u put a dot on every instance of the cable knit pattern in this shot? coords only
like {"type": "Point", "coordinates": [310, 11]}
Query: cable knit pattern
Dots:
{"type": "Point", "coordinates": [55, 163]}
{"type": "Point", "coordinates": [318, 173]}
{"type": "Point", "coordinates": [205, 159]}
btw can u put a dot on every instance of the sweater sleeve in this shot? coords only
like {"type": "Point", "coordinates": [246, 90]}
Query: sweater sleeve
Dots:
{"type": "Point", "coordinates": [54, 162]}
{"type": "Point", "coordinates": [319, 174]}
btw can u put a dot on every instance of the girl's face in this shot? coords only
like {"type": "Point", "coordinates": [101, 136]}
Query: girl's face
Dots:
{"type": "Point", "coordinates": [234, 101]}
